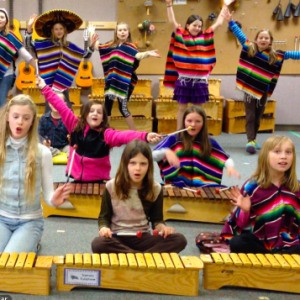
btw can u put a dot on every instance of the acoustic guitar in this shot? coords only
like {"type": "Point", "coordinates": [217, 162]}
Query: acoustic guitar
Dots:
{"type": "Point", "coordinates": [14, 24]}
{"type": "Point", "coordinates": [84, 76]}
{"type": "Point", "coordinates": [35, 36]}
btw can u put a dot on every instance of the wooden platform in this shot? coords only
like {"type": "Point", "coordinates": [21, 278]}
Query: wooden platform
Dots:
{"type": "Point", "coordinates": [234, 117]}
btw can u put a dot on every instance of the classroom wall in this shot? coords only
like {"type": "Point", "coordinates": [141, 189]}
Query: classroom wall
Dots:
{"type": "Point", "coordinates": [253, 15]}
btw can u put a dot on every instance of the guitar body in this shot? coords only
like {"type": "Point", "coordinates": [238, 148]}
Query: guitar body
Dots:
{"type": "Point", "coordinates": [15, 28]}
{"type": "Point", "coordinates": [84, 76]}
{"type": "Point", "coordinates": [26, 77]}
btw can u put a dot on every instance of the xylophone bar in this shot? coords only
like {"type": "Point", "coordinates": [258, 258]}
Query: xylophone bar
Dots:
{"type": "Point", "coordinates": [85, 198]}
{"type": "Point", "coordinates": [259, 271]}
{"type": "Point", "coordinates": [25, 273]}
{"type": "Point", "coordinates": [132, 272]}
{"type": "Point", "coordinates": [208, 205]}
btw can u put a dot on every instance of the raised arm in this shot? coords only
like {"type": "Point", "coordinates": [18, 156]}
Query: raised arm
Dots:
{"type": "Point", "coordinates": [223, 15]}
{"type": "Point", "coordinates": [171, 15]}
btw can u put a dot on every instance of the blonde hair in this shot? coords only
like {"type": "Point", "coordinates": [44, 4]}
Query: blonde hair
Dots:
{"type": "Point", "coordinates": [262, 173]}
{"type": "Point", "coordinates": [32, 135]}
{"type": "Point", "coordinates": [253, 49]}
{"type": "Point", "coordinates": [64, 40]}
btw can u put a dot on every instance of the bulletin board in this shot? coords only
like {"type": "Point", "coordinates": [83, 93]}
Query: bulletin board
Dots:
{"type": "Point", "coordinates": [252, 14]}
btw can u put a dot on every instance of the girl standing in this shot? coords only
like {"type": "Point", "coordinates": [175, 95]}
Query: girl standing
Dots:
{"type": "Point", "coordinates": [192, 158]}
{"type": "Point", "coordinates": [266, 218]}
{"type": "Point", "coordinates": [257, 74]}
{"type": "Point", "coordinates": [92, 136]}
{"type": "Point", "coordinates": [190, 60]}
{"type": "Point", "coordinates": [10, 49]}
{"type": "Point", "coordinates": [25, 167]}
{"type": "Point", "coordinates": [58, 58]}
{"type": "Point", "coordinates": [130, 201]}
{"type": "Point", "coordinates": [120, 58]}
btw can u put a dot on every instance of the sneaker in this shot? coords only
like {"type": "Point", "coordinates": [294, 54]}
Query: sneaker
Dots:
{"type": "Point", "coordinates": [257, 145]}
{"type": "Point", "coordinates": [251, 147]}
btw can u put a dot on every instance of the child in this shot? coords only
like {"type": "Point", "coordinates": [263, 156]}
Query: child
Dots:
{"type": "Point", "coordinates": [25, 168]}
{"type": "Point", "coordinates": [92, 136]}
{"type": "Point", "coordinates": [58, 58]}
{"type": "Point", "coordinates": [10, 49]}
{"type": "Point", "coordinates": [257, 74]}
{"type": "Point", "coordinates": [190, 60]}
{"type": "Point", "coordinates": [120, 58]}
{"type": "Point", "coordinates": [53, 132]}
{"type": "Point", "coordinates": [130, 201]}
{"type": "Point", "coordinates": [191, 158]}
{"type": "Point", "coordinates": [266, 218]}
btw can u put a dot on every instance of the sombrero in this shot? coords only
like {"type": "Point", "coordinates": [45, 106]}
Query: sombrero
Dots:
{"type": "Point", "coordinates": [44, 23]}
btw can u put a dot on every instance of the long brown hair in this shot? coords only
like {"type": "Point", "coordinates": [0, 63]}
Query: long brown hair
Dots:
{"type": "Point", "coordinates": [202, 136]}
{"type": "Point", "coordinates": [32, 150]}
{"type": "Point", "coordinates": [116, 41]}
{"type": "Point", "coordinates": [262, 173]}
{"type": "Point", "coordinates": [253, 49]}
{"type": "Point", "coordinates": [191, 19]}
{"type": "Point", "coordinates": [122, 179]}
{"type": "Point", "coordinates": [85, 110]}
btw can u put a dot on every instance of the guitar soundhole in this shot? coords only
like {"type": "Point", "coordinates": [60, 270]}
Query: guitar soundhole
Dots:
{"type": "Point", "coordinates": [26, 71]}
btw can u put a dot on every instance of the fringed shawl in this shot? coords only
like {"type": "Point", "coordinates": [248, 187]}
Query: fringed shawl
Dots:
{"type": "Point", "coordinates": [119, 64]}
{"type": "Point", "coordinates": [58, 65]}
{"type": "Point", "coordinates": [195, 169]}
{"type": "Point", "coordinates": [189, 56]}
{"type": "Point", "coordinates": [9, 47]}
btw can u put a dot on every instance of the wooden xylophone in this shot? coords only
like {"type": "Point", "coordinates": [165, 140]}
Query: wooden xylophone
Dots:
{"type": "Point", "coordinates": [148, 272]}
{"type": "Point", "coordinates": [207, 206]}
{"type": "Point", "coordinates": [85, 200]}
{"type": "Point", "coordinates": [277, 272]}
{"type": "Point", "coordinates": [25, 273]}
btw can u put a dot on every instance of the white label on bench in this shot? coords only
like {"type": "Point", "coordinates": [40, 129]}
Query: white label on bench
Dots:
{"type": "Point", "coordinates": [82, 277]}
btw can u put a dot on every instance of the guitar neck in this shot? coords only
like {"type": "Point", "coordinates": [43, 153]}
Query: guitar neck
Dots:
{"type": "Point", "coordinates": [11, 13]}
{"type": "Point", "coordinates": [40, 7]}
{"type": "Point", "coordinates": [86, 44]}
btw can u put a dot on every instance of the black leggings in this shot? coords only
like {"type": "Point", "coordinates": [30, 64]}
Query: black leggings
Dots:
{"type": "Point", "coordinates": [109, 102]}
{"type": "Point", "coordinates": [249, 243]}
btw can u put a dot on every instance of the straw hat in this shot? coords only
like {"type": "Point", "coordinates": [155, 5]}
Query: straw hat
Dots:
{"type": "Point", "coordinates": [45, 21]}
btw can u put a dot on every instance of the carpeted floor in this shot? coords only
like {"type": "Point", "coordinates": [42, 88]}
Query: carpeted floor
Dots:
{"type": "Point", "coordinates": [73, 235]}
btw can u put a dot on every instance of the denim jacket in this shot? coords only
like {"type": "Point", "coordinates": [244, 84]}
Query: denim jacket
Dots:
{"type": "Point", "coordinates": [12, 196]}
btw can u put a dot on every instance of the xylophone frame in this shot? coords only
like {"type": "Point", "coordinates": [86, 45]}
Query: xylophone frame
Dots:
{"type": "Point", "coordinates": [85, 198]}
{"type": "Point", "coordinates": [24, 273]}
{"type": "Point", "coordinates": [132, 272]}
{"type": "Point", "coordinates": [274, 272]}
{"type": "Point", "coordinates": [179, 204]}
{"type": "Point", "coordinates": [207, 206]}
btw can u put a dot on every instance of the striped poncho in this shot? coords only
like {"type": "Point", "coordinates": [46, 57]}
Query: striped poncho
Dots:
{"type": "Point", "coordinates": [195, 170]}
{"type": "Point", "coordinates": [255, 76]}
{"type": "Point", "coordinates": [9, 47]}
{"type": "Point", "coordinates": [274, 216]}
{"type": "Point", "coordinates": [119, 64]}
{"type": "Point", "coordinates": [58, 65]}
{"type": "Point", "coordinates": [189, 56]}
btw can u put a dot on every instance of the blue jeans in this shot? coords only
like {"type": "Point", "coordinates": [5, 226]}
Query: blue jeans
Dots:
{"type": "Point", "coordinates": [18, 235]}
{"type": "Point", "coordinates": [5, 85]}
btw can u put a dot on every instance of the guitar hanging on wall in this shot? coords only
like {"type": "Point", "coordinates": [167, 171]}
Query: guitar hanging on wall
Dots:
{"type": "Point", "coordinates": [14, 24]}
{"type": "Point", "coordinates": [84, 76]}
{"type": "Point", "coordinates": [35, 36]}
